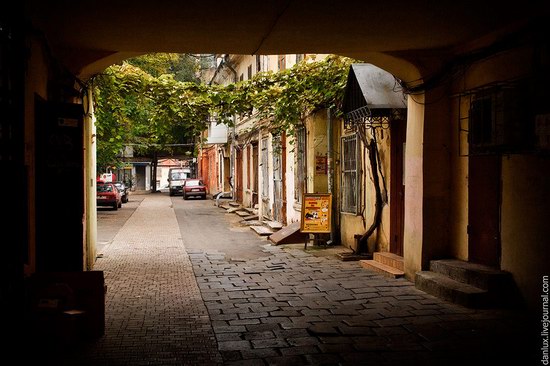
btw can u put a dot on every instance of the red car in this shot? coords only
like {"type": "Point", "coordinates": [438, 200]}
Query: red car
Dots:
{"type": "Point", "coordinates": [108, 195]}
{"type": "Point", "coordinates": [194, 187]}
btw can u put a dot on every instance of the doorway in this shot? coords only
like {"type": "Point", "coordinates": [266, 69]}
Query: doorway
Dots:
{"type": "Point", "coordinates": [484, 209]}
{"type": "Point", "coordinates": [398, 132]}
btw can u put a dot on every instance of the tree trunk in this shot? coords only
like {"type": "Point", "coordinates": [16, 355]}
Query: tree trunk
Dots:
{"type": "Point", "coordinates": [154, 173]}
{"type": "Point", "coordinates": [373, 159]}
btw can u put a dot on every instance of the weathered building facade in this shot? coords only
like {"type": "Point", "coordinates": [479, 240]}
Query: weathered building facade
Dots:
{"type": "Point", "coordinates": [476, 157]}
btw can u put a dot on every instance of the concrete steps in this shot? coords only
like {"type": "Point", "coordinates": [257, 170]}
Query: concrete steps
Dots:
{"type": "Point", "coordinates": [468, 284]}
{"type": "Point", "coordinates": [288, 234]}
{"type": "Point", "coordinates": [274, 225]}
{"type": "Point", "coordinates": [261, 230]}
{"type": "Point", "coordinates": [250, 217]}
{"type": "Point", "coordinates": [388, 264]}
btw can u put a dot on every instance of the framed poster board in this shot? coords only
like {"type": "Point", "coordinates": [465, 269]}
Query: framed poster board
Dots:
{"type": "Point", "coordinates": [316, 213]}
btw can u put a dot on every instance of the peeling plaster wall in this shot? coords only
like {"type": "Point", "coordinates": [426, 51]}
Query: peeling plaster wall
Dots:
{"type": "Point", "coordinates": [525, 182]}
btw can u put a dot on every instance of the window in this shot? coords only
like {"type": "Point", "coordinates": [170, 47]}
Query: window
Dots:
{"type": "Point", "coordinates": [300, 57]}
{"type": "Point", "coordinates": [249, 72]}
{"type": "Point", "coordinates": [265, 169]}
{"type": "Point", "coordinates": [258, 63]}
{"type": "Point", "coordinates": [300, 167]}
{"type": "Point", "coordinates": [241, 78]}
{"type": "Point", "coordinates": [349, 162]}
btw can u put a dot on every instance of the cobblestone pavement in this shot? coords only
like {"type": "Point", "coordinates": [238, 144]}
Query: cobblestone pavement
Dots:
{"type": "Point", "coordinates": [154, 311]}
{"type": "Point", "coordinates": [168, 305]}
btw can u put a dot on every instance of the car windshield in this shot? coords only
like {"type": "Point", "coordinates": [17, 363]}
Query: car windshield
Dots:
{"type": "Point", "coordinates": [104, 188]}
{"type": "Point", "coordinates": [178, 175]}
{"type": "Point", "coordinates": [193, 183]}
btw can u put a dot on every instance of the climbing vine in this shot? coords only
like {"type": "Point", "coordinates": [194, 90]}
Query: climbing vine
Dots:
{"type": "Point", "coordinates": [134, 107]}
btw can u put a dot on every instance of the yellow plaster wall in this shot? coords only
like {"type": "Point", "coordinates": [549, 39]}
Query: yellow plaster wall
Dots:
{"type": "Point", "coordinates": [414, 190]}
{"type": "Point", "coordinates": [525, 179]}
{"type": "Point", "coordinates": [525, 222]}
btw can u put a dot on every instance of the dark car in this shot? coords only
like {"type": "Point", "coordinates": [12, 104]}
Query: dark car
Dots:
{"type": "Point", "coordinates": [108, 195]}
{"type": "Point", "coordinates": [123, 189]}
{"type": "Point", "coordinates": [194, 188]}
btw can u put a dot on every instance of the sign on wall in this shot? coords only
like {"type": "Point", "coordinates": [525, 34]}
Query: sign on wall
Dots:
{"type": "Point", "coordinates": [316, 211]}
{"type": "Point", "coordinates": [320, 165]}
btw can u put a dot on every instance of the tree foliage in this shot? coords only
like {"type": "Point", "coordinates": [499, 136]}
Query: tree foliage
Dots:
{"type": "Point", "coordinates": [144, 103]}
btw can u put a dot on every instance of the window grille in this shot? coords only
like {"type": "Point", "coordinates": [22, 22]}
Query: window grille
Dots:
{"type": "Point", "coordinates": [265, 170]}
{"type": "Point", "coordinates": [300, 167]}
{"type": "Point", "coordinates": [349, 163]}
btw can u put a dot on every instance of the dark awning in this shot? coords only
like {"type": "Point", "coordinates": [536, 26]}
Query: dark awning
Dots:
{"type": "Point", "coordinates": [372, 87]}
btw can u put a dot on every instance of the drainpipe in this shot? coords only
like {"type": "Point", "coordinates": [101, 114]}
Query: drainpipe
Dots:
{"type": "Point", "coordinates": [232, 162]}
{"type": "Point", "coordinates": [330, 171]}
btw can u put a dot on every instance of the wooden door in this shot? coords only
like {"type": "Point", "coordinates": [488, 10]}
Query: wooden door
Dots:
{"type": "Point", "coordinates": [277, 179]}
{"type": "Point", "coordinates": [484, 209]}
{"type": "Point", "coordinates": [239, 176]}
{"type": "Point", "coordinates": [398, 133]}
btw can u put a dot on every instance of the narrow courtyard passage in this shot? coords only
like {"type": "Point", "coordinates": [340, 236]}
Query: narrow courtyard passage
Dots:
{"type": "Point", "coordinates": [186, 285]}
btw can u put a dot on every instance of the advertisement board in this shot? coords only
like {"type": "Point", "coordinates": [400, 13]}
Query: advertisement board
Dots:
{"type": "Point", "coordinates": [316, 213]}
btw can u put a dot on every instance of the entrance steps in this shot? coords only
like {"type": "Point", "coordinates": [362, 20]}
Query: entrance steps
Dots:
{"type": "Point", "coordinates": [289, 234]}
{"type": "Point", "coordinates": [261, 230]}
{"type": "Point", "coordinates": [251, 219]}
{"type": "Point", "coordinates": [468, 284]}
{"type": "Point", "coordinates": [386, 263]}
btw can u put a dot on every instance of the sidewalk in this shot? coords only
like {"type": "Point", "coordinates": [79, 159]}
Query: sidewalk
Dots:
{"type": "Point", "coordinates": [154, 311]}
{"type": "Point", "coordinates": [169, 304]}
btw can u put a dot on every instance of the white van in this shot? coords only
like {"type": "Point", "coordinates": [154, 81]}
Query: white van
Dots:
{"type": "Point", "coordinates": [176, 176]}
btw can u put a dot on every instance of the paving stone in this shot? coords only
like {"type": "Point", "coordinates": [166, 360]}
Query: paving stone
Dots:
{"type": "Point", "coordinates": [233, 345]}
{"type": "Point", "coordinates": [259, 353]}
{"type": "Point", "coordinates": [269, 343]}
{"type": "Point", "coordinates": [286, 361]}
{"type": "Point", "coordinates": [169, 306]}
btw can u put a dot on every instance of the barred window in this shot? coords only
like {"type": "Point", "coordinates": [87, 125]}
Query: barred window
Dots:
{"type": "Point", "coordinates": [265, 168]}
{"type": "Point", "coordinates": [350, 187]}
{"type": "Point", "coordinates": [300, 167]}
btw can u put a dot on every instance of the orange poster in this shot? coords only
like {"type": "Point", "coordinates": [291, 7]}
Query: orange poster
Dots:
{"type": "Point", "coordinates": [316, 213]}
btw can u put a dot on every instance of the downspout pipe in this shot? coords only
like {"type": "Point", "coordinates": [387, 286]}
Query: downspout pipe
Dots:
{"type": "Point", "coordinates": [232, 157]}
{"type": "Point", "coordinates": [330, 171]}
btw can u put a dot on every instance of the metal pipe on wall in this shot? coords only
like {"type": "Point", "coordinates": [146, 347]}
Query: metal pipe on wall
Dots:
{"type": "Point", "coordinates": [330, 171]}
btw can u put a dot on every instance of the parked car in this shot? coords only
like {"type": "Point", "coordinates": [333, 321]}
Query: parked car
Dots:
{"type": "Point", "coordinates": [194, 187]}
{"type": "Point", "coordinates": [107, 194]}
{"type": "Point", "coordinates": [123, 189]}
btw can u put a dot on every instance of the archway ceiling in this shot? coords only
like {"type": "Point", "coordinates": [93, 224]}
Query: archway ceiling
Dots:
{"type": "Point", "coordinates": [88, 36]}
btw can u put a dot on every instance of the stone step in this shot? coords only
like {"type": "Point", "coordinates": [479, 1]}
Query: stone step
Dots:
{"type": "Point", "coordinates": [225, 207]}
{"type": "Point", "coordinates": [250, 217]}
{"type": "Point", "coordinates": [382, 268]}
{"type": "Point", "coordinates": [481, 276]}
{"type": "Point", "coordinates": [252, 222]}
{"type": "Point", "coordinates": [261, 230]}
{"type": "Point", "coordinates": [389, 259]}
{"type": "Point", "coordinates": [446, 288]}
{"type": "Point", "coordinates": [234, 204]}
{"type": "Point", "coordinates": [274, 225]}
{"type": "Point", "coordinates": [232, 209]}
{"type": "Point", "coordinates": [288, 234]}
{"type": "Point", "coordinates": [251, 209]}
{"type": "Point", "coordinates": [242, 213]}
